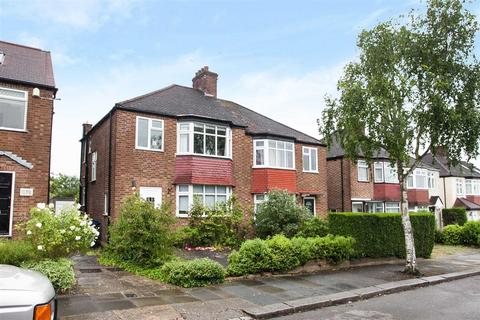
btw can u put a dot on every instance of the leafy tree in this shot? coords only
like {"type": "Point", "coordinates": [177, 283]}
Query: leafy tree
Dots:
{"type": "Point", "coordinates": [414, 89]}
{"type": "Point", "coordinates": [64, 186]}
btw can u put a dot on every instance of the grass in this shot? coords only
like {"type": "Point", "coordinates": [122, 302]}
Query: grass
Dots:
{"type": "Point", "coordinates": [441, 250]}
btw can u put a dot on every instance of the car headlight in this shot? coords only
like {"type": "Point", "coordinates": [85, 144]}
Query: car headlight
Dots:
{"type": "Point", "coordinates": [44, 311]}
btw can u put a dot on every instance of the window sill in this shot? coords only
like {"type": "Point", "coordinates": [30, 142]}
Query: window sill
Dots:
{"type": "Point", "coordinates": [148, 149]}
{"type": "Point", "coordinates": [310, 171]}
{"type": "Point", "coordinates": [277, 168]}
{"type": "Point", "coordinates": [363, 181]}
{"type": "Point", "coordinates": [14, 130]}
{"type": "Point", "coordinates": [181, 215]}
{"type": "Point", "coordinates": [203, 155]}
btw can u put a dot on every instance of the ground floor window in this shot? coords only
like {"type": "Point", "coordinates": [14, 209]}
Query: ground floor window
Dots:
{"type": "Point", "coordinates": [309, 203]}
{"type": "Point", "coordinates": [393, 207]}
{"type": "Point", "coordinates": [258, 199]}
{"type": "Point", "coordinates": [375, 206]}
{"type": "Point", "coordinates": [357, 206]}
{"type": "Point", "coordinates": [207, 195]}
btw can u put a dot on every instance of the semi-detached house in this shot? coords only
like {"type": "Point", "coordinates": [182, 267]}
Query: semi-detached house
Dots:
{"type": "Point", "coordinates": [178, 143]}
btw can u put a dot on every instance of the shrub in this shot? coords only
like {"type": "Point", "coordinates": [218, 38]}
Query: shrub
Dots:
{"type": "Point", "coordinates": [254, 256]}
{"type": "Point", "coordinates": [284, 255]}
{"type": "Point", "coordinates": [470, 235]}
{"type": "Point", "coordinates": [142, 235]}
{"type": "Point", "coordinates": [315, 227]}
{"type": "Point", "coordinates": [59, 272]}
{"type": "Point", "coordinates": [381, 234]}
{"type": "Point", "coordinates": [454, 216]}
{"type": "Point", "coordinates": [223, 225]}
{"type": "Point", "coordinates": [438, 236]}
{"type": "Point", "coordinates": [280, 214]}
{"type": "Point", "coordinates": [334, 249]}
{"type": "Point", "coordinates": [452, 234]}
{"type": "Point", "coordinates": [193, 273]}
{"type": "Point", "coordinates": [15, 252]}
{"type": "Point", "coordinates": [60, 235]}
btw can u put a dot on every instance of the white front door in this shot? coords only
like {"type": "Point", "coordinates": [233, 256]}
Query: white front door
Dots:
{"type": "Point", "coordinates": [152, 194]}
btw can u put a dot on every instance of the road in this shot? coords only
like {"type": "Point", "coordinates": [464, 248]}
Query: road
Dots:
{"type": "Point", "coordinates": [456, 300]}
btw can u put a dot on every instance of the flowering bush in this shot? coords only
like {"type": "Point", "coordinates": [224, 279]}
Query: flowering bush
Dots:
{"type": "Point", "coordinates": [60, 235]}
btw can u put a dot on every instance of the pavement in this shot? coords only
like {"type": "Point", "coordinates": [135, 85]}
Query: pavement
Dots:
{"type": "Point", "coordinates": [110, 293]}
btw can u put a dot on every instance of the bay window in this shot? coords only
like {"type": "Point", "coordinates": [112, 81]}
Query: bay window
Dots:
{"type": "Point", "coordinates": [362, 170]}
{"type": "Point", "coordinates": [203, 139]}
{"type": "Point", "coordinates": [13, 109]}
{"type": "Point", "coordinates": [378, 166]}
{"type": "Point", "coordinates": [273, 154]}
{"type": "Point", "coordinates": [421, 179]}
{"type": "Point", "coordinates": [310, 163]}
{"type": "Point", "coordinates": [206, 195]}
{"type": "Point", "coordinates": [149, 134]}
{"type": "Point", "coordinates": [393, 207]}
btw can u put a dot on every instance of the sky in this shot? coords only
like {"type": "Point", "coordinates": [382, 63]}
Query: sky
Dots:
{"type": "Point", "coordinates": [279, 58]}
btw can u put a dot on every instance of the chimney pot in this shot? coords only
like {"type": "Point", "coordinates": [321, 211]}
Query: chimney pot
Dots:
{"type": "Point", "coordinates": [206, 81]}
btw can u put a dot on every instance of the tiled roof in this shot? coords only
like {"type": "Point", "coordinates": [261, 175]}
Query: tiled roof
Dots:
{"type": "Point", "coordinates": [463, 169]}
{"type": "Point", "coordinates": [179, 101]}
{"type": "Point", "coordinates": [462, 202]}
{"type": "Point", "coordinates": [26, 65]}
{"type": "Point", "coordinates": [335, 150]}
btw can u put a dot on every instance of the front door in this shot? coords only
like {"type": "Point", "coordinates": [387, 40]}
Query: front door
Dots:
{"type": "Point", "coordinates": [6, 181]}
{"type": "Point", "coordinates": [309, 203]}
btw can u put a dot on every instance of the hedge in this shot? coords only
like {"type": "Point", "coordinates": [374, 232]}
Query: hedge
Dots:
{"type": "Point", "coordinates": [381, 235]}
{"type": "Point", "coordinates": [193, 273]}
{"type": "Point", "coordinates": [454, 216]}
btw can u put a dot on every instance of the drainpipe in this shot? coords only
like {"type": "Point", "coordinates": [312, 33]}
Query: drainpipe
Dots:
{"type": "Point", "coordinates": [342, 177]}
{"type": "Point", "coordinates": [444, 193]}
{"type": "Point", "coordinates": [109, 171]}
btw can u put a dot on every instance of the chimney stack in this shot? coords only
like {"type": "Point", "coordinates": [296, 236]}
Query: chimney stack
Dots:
{"type": "Point", "coordinates": [206, 81]}
{"type": "Point", "coordinates": [86, 128]}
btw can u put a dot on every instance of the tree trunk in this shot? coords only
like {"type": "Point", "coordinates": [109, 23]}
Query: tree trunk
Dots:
{"type": "Point", "coordinates": [411, 258]}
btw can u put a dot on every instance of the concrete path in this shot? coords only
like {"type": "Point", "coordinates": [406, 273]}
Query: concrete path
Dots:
{"type": "Point", "coordinates": [109, 293]}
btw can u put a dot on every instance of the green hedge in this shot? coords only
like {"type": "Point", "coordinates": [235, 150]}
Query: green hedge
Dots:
{"type": "Point", "coordinates": [15, 252]}
{"type": "Point", "coordinates": [381, 235]}
{"type": "Point", "coordinates": [467, 235]}
{"type": "Point", "coordinates": [59, 272]}
{"type": "Point", "coordinates": [454, 216]}
{"type": "Point", "coordinates": [193, 273]}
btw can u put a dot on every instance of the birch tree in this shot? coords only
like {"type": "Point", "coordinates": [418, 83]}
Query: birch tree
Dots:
{"type": "Point", "coordinates": [415, 88]}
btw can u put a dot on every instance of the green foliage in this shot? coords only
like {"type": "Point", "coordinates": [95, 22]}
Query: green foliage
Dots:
{"type": "Point", "coordinates": [454, 216]}
{"type": "Point", "coordinates": [193, 273]}
{"type": "Point", "coordinates": [280, 214]}
{"type": "Point", "coordinates": [15, 252]}
{"type": "Point", "coordinates": [452, 235]}
{"type": "Point", "coordinates": [381, 234]}
{"type": "Point", "coordinates": [282, 254]}
{"type": "Point", "coordinates": [142, 235]}
{"type": "Point", "coordinates": [315, 227]}
{"type": "Point", "coordinates": [60, 235]}
{"type": "Point", "coordinates": [59, 272]}
{"type": "Point", "coordinates": [438, 236]}
{"type": "Point", "coordinates": [222, 226]}
{"type": "Point", "coordinates": [471, 233]}
{"type": "Point", "coordinates": [64, 186]}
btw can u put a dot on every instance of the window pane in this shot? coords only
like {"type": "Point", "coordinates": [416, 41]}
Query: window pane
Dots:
{"type": "Point", "coordinates": [198, 127]}
{"type": "Point", "coordinates": [289, 146]}
{"type": "Point", "coordinates": [142, 133]}
{"type": "Point", "coordinates": [259, 143]}
{"type": "Point", "coordinates": [185, 127]}
{"type": "Point", "coordinates": [198, 143]}
{"type": "Point", "coordinates": [272, 144]}
{"type": "Point", "coordinates": [281, 158]}
{"type": "Point", "coordinates": [156, 139]}
{"type": "Point", "coordinates": [12, 114]}
{"type": "Point", "coordinates": [157, 124]}
{"type": "Point", "coordinates": [209, 189]}
{"type": "Point", "coordinates": [183, 188]}
{"type": "Point", "coordinates": [210, 129]}
{"type": "Point", "coordinates": [210, 201]}
{"type": "Point", "coordinates": [259, 161]}
{"type": "Point", "coordinates": [221, 141]}
{"type": "Point", "coordinates": [290, 159]}
{"type": "Point", "coordinates": [272, 157]}
{"type": "Point", "coordinates": [314, 159]}
{"type": "Point", "coordinates": [259, 197]}
{"type": "Point", "coordinates": [221, 190]}
{"type": "Point", "coordinates": [306, 162]}
{"type": "Point", "coordinates": [182, 204]}
{"type": "Point", "coordinates": [210, 145]}
{"type": "Point", "coordinates": [221, 131]}
{"type": "Point", "coordinates": [184, 142]}
{"type": "Point", "coordinates": [197, 188]}
{"type": "Point", "coordinates": [280, 145]}
{"type": "Point", "coordinates": [221, 199]}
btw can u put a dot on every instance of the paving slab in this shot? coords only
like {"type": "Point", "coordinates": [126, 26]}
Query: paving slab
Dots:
{"type": "Point", "coordinates": [310, 303]}
{"type": "Point", "coordinates": [269, 311]}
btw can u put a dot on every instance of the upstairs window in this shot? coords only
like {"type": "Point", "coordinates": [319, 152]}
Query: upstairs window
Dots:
{"type": "Point", "coordinates": [431, 181]}
{"type": "Point", "coordinates": [379, 172]}
{"type": "Point", "coordinates": [203, 139]}
{"type": "Point", "coordinates": [273, 154]}
{"type": "Point", "coordinates": [94, 166]}
{"type": "Point", "coordinates": [385, 172]}
{"type": "Point", "coordinates": [472, 187]}
{"type": "Point", "coordinates": [459, 186]}
{"type": "Point", "coordinates": [310, 163]}
{"type": "Point", "coordinates": [13, 109]}
{"type": "Point", "coordinates": [149, 135]}
{"type": "Point", "coordinates": [421, 179]}
{"type": "Point", "coordinates": [362, 171]}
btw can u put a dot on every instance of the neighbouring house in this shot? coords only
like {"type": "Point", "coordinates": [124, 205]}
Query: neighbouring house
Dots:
{"type": "Point", "coordinates": [459, 185]}
{"type": "Point", "coordinates": [359, 187]}
{"type": "Point", "coordinates": [27, 92]}
{"type": "Point", "coordinates": [181, 143]}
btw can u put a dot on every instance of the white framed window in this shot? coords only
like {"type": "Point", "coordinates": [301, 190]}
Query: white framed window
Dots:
{"type": "Point", "coordinates": [207, 195]}
{"type": "Point", "coordinates": [258, 199]}
{"type": "Point", "coordinates": [378, 168]}
{"type": "Point", "coordinates": [149, 134]}
{"type": "Point", "coordinates": [309, 204]}
{"type": "Point", "coordinates": [472, 187]}
{"type": "Point", "coordinates": [204, 139]}
{"type": "Point", "coordinates": [431, 181]}
{"type": "Point", "coordinates": [310, 161]}
{"type": "Point", "coordinates": [13, 109]}
{"type": "Point", "coordinates": [94, 167]}
{"type": "Point", "coordinates": [357, 206]}
{"type": "Point", "coordinates": [273, 154]}
{"type": "Point", "coordinates": [421, 179]}
{"type": "Point", "coordinates": [392, 207]}
{"type": "Point", "coordinates": [390, 173]}
{"type": "Point", "coordinates": [459, 186]}
{"type": "Point", "coordinates": [362, 171]}
{"type": "Point", "coordinates": [152, 194]}
{"type": "Point", "coordinates": [377, 207]}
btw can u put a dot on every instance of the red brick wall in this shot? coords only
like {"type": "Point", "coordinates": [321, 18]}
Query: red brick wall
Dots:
{"type": "Point", "coordinates": [266, 179]}
{"type": "Point", "coordinates": [387, 192]}
{"type": "Point", "coordinates": [417, 196]}
{"type": "Point", "coordinates": [34, 145]}
{"type": "Point", "coordinates": [203, 170]}
{"type": "Point", "coordinates": [363, 190]}
{"type": "Point", "coordinates": [242, 158]}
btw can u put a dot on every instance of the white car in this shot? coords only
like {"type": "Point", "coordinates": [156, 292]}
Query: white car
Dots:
{"type": "Point", "coordinates": [25, 295]}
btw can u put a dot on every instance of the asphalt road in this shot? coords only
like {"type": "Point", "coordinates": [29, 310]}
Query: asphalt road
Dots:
{"type": "Point", "coordinates": [456, 300]}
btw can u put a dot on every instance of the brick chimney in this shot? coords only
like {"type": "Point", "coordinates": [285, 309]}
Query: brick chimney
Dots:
{"type": "Point", "coordinates": [206, 81]}
{"type": "Point", "coordinates": [86, 128]}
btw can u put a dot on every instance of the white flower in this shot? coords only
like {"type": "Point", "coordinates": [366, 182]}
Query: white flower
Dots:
{"type": "Point", "coordinates": [83, 223]}
{"type": "Point", "coordinates": [29, 232]}
{"type": "Point", "coordinates": [41, 205]}
{"type": "Point", "coordinates": [90, 222]}
{"type": "Point", "coordinates": [79, 205]}
{"type": "Point", "coordinates": [72, 228]}
{"type": "Point", "coordinates": [92, 243]}
{"type": "Point", "coordinates": [78, 238]}
{"type": "Point", "coordinates": [40, 247]}
{"type": "Point", "coordinates": [62, 231]}
{"type": "Point", "coordinates": [51, 205]}
{"type": "Point", "coordinates": [38, 224]}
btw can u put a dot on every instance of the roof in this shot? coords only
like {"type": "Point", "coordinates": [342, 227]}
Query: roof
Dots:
{"type": "Point", "coordinates": [462, 169]}
{"type": "Point", "coordinates": [462, 202]}
{"type": "Point", "coordinates": [17, 159]}
{"type": "Point", "coordinates": [434, 199]}
{"type": "Point", "coordinates": [26, 65]}
{"type": "Point", "coordinates": [335, 150]}
{"type": "Point", "coordinates": [179, 101]}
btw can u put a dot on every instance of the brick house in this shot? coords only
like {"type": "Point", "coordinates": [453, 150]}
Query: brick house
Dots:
{"type": "Point", "coordinates": [27, 90]}
{"type": "Point", "coordinates": [179, 142]}
{"type": "Point", "coordinates": [359, 187]}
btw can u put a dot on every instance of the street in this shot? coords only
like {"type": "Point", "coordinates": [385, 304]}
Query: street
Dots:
{"type": "Point", "coordinates": [452, 300]}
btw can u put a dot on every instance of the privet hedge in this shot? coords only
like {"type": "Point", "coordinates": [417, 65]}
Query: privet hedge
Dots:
{"type": "Point", "coordinates": [381, 234]}
{"type": "Point", "coordinates": [454, 216]}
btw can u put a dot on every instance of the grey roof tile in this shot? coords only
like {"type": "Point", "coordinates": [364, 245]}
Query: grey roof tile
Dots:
{"type": "Point", "coordinates": [462, 169]}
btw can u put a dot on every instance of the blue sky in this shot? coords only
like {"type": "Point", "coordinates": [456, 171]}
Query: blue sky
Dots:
{"type": "Point", "coordinates": [277, 57]}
